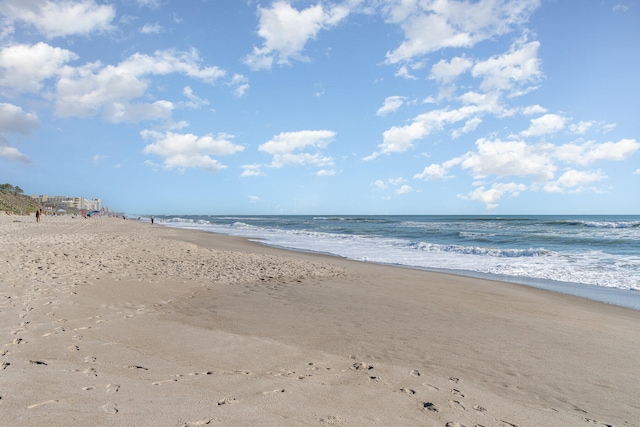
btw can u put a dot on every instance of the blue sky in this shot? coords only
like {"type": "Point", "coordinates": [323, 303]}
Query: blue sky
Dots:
{"type": "Point", "coordinates": [316, 107]}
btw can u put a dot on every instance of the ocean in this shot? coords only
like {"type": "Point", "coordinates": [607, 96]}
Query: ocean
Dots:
{"type": "Point", "coordinates": [596, 257]}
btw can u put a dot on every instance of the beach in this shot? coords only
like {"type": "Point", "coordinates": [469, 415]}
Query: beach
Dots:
{"type": "Point", "coordinates": [114, 322]}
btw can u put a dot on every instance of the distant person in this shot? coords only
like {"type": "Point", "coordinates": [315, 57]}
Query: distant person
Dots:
{"type": "Point", "coordinates": [151, 220]}
{"type": "Point", "coordinates": [37, 215]}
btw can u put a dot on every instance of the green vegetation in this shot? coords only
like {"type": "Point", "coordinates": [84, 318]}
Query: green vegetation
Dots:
{"type": "Point", "coordinates": [13, 201]}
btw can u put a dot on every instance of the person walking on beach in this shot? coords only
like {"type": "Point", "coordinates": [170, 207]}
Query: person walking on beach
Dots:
{"type": "Point", "coordinates": [37, 215]}
{"type": "Point", "coordinates": [151, 220]}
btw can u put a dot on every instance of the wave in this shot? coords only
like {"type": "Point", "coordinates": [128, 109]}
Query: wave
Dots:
{"type": "Point", "coordinates": [596, 224]}
{"type": "Point", "coordinates": [476, 250]}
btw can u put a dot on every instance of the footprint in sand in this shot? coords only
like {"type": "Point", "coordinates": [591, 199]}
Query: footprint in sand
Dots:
{"type": "Point", "coordinates": [225, 400]}
{"type": "Point", "coordinates": [431, 387]}
{"type": "Point", "coordinates": [196, 423]}
{"type": "Point", "coordinates": [457, 405]}
{"type": "Point", "coordinates": [414, 373]}
{"type": "Point", "coordinates": [457, 392]}
{"type": "Point", "coordinates": [112, 388]}
{"type": "Point", "coordinates": [429, 406]}
{"type": "Point", "coordinates": [110, 408]}
{"type": "Point", "coordinates": [361, 366]}
{"type": "Point", "coordinates": [408, 390]}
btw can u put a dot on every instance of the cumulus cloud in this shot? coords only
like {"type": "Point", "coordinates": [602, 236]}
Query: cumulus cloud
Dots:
{"type": "Point", "coordinates": [404, 189]}
{"type": "Point", "coordinates": [251, 170]}
{"type": "Point", "coordinates": [286, 31]}
{"type": "Point", "coordinates": [590, 152]}
{"type": "Point", "coordinates": [25, 67]}
{"type": "Point", "coordinates": [433, 25]}
{"type": "Point", "coordinates": [574, 181]}
{"type": "Point", "coordinates": [14, 119]}
{"type": "Point", "coordinates": [391, 104]}
{"type": "Point", "coordinates": [240, 84]}
{"type": "Point", "coordinates": [14, 154]}
{"type": "Point", "coordinates": [399, 139]}
{"type": "Point", "coordinates": [490, 196]}
{"type": "Point", "coordinates": [92, 89]}
{"type": "Point", "coordinates": [151, 28]}
{"type": "Point", "coordinates": [508, 158]}
{"type": "Point", "coordinates": [299, 148]}
{"type": "Point", "coordinates": [497, 160]}
{"type": "Point", "coordinates": [182, 151]}
{"type": "Point", "coordinates": [59, 18]}
{"type": "Point", "coordinates": [511, 71]}
{"type": "Point", "coordinates": [447, 71]}
{"type": "Point", "coordinates": [545, 125]}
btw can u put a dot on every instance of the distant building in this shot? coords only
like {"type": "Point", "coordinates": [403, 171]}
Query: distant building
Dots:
{"type": "Point", "coordinates": [65, 202]}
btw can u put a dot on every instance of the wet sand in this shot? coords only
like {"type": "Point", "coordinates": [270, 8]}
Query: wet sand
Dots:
{"type": "Point", "coordinates": [118, 322]}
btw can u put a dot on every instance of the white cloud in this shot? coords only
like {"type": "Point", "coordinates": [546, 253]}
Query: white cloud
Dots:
{"type": "Point", "coordinates": [14, 119]}
{"type": "Point", "coordinates": [446, 72]}
{"type": "Point", "coordinates": [93, 88]}
{"type": "Point", "coordinates": [581, 127]}
{"type": "Point", "coordinates": [286, 31]}
{"type": "Point", "coordinates": [496, 159]}
{"type": "Point", "coordinates": [60, 18]}
{"type": "Point", "coordinates": [432, 25]}
{"type": "Point", "coordinates": [194, 100]}
{"type": "Point", "coordinates": [326, 172]}
{"type": "Point", "coordinates": [284, 147]}
{"type": "Point", "coordinates": [636, 172]}
{"type": "Point", "coordinates": [510, 158]}
{"type": "Point", "coordinates": [469, 126]}
{"type": "Point", "coordinates": [149, 3]}
{"type": "Point", "coordinates": [405, 73]}
{"type": "Point", "coordinates": [399, 139]}
{"type": "Point", "coordinates": [574, 181]}
{"type": "Point", "coordinates": [240, 83]}
{"type": "Point", "coordinates": [534, 109]}
{"type": "Point", "coordinates": [14, 154]}
{"type": "Point", "coordinates": [437, 172]}
{"type": "Point", "coordinates": [620, 7]}
{"type": "Point", "coordinates": [490, 196]}
{"type": "Point", "coordinates": [25, 67]}
{"type": "Point", "coordinates": [151, 29]}
{"type": "Point", "coordinates": [510, 71]}
{"type": "Point", "coordinates": [391, 104]}
{"type": "Point", "coordinates": [182, 151]}
{"type": "Point", "coordinates": [251, 170]}
{"type": "Point", "coordinates": [545, 125]}
{"type": "Point", "coordinates": [405, 189]}
{"type": "Point", "coordinates": [380, 185]}
{"type": "Point", "coordinates": [591, 152]}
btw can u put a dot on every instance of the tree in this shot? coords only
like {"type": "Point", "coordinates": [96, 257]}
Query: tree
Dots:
{"type": "Point", "coordinates": [17, 191]}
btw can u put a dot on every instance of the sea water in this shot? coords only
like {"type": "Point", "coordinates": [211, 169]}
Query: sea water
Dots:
{"type": "Point", "coordinates": [595, 257]}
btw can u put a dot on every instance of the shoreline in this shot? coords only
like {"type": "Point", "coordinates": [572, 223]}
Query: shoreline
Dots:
{"type": "Point", "coordinates": [627, 298]}
{"type": "Point", "coordinates": [115, 322]}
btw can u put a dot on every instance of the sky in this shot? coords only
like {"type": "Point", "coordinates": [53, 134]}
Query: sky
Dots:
{"type": "Point", "coordinates": [324, 107]}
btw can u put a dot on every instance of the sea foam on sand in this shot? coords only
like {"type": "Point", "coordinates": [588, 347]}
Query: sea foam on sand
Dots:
{"type": "Point", "coordinates": [106, 321]}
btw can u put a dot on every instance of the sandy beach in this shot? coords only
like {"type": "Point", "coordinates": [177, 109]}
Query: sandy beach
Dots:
{"type": "Point", "coordinates": [112, 322]}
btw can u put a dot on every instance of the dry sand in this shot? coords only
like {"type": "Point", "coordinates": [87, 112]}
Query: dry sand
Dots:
{"type": "Point", "coordinates": [113, 322]}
